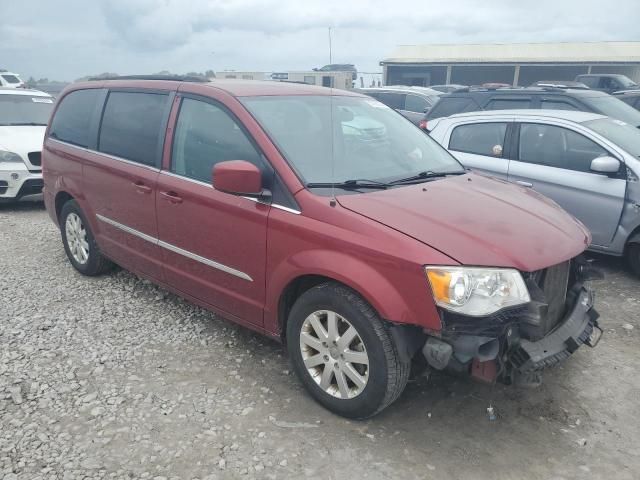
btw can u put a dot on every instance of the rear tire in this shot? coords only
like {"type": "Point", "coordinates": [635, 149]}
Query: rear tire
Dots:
{"type": "Point", "coordinates": [79, 243]}
{"type": "Point", "coordinates": [633, 257]}
{"type": "Point", "coordinates": [343, 352]}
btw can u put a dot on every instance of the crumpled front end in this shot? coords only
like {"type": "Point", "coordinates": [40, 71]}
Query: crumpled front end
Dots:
{"type": "Point", "coordinates": [516, 344]}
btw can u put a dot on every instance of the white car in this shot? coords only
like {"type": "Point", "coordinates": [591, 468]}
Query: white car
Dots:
{"type": "Point", "coordinates": [10, 80]}
{"type": "Point", "coordinates": [23, 119]}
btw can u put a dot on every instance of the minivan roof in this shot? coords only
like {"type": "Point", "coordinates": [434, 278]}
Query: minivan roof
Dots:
{"type": "Point", "coordinates": [482, 91]}
{"type": "Point", "coordinates": [572, 115]}
{"type": "Point", "coordinates": [235, 87]}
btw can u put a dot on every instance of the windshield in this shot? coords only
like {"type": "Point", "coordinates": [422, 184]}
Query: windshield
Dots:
{"type": "Point", "coordinates": [335, 139]}
{"type": "Point", "coordinates": [24, 110]}
{"type": "Point", "coordinates": [614, 108]}
{"type": "Point", "coordinates": [622, 134]}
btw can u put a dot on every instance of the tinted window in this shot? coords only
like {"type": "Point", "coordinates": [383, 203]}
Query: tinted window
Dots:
{"type": "Point", "coordinates": [393, 100]}
{"type": "Point", "coordinates": [508, 104]}
{"type": "Point", "coordinates": [72, 120]}
{"type": "Point", "coordinates": [479, 138]}
{"type": "Point", "coordinates": [205, 135]}
{"type": "Point", "coordinates": [450, 106]}
{"type": "Point", "coordinates": [414, 103]}
{"type": "Point", "coordinates": [132, 126]}
{"type": "Point", "coordinates": [11, 78]}
{"type": "Point", "coordinates": [557, 147]}
{"type": "Point", "coordinates": [557, 105]}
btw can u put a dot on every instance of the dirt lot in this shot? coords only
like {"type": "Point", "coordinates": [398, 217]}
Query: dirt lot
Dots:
{"type": "Point", "coordinates": [114, 378]}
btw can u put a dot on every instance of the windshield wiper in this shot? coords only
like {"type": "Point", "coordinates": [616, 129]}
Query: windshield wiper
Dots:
{"type": "Point", "coordinates": [350, 184]}
{"type": "Point", "coordinates": [422, 176]}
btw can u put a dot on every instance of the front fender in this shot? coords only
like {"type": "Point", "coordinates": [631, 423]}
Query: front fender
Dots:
{"type": "Point", "coordinates": [398, 295]}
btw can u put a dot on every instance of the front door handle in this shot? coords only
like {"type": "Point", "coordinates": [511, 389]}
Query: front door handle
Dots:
{"type": "Point", "coordinates": [141, 187]}
{"type": "Point", "coordinates": [172, 197]}
{"type": "Point", "coordinates": [524, 184]}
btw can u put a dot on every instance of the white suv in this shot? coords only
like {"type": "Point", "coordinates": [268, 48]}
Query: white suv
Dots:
{"type": "Point", "coordinates": [10, 80]}
{"type": "Point", "coordinates": [23, 119]}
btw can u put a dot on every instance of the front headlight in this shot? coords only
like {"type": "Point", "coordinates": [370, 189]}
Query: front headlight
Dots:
{"type": "Point", "coordinates": [477, 291]}
{"type": "Point", "coordinates": [10, 157]}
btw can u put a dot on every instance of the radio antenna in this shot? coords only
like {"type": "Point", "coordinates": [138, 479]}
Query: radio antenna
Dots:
{"type": "Point", "coordinates": [332, 202]}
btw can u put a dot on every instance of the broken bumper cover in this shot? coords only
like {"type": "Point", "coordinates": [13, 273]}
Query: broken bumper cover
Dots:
{"type": "Point", "coordinates": [579, 327]}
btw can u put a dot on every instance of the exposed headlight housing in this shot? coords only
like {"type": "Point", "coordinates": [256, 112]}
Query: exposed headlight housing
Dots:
{"type": "Point", "coordinates": [10, 157]}
{"type": "Point", "coordinates": [477, 291]}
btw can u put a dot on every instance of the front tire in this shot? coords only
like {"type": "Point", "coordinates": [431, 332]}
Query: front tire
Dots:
{"type": "Point", "coordinates": [79, 242]}
{"type": "Point", "coordinates": [633, 257]}
{"type": "Point", "coordinates": [343, 353]}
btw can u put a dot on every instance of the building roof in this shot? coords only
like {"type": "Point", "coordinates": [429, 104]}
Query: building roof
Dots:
{"type": "Point", "coordinates": [577, 52]}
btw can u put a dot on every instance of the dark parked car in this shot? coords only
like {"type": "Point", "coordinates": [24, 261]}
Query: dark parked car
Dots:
{"type": "Point", "coordinates": [253, 200]}
{"type": "Point", "coordinates": [630, 97]}
{"type": "Point", "coordinates": [411, 102]}
{"type": "Point", "coordinates": [474, 99]}
{"type": "Point", "coordinates": [606, 82]}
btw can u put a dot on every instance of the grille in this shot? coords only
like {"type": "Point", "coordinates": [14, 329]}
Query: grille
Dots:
{"type": "Point", "coordinates": [553, 282]}
{"type": "Point", "coordinates": [35, 158]}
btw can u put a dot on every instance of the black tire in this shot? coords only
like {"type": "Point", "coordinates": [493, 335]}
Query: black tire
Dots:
{"type": "Point", "coordinates": [387, 373]}
{"type": "Point", "coordinates": [96, 263]}
{"type": "Point", "coordinates": [633, 257]}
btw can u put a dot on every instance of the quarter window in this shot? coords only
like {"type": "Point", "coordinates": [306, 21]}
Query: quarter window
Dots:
{"type": "Point", "coordinates": [557, 147]}
{"type": "Point", "coordinates": [72, 121]}
{"type": "Point", "coordinates": [132, 126]}
{"type": "Point", "coordinates": [479, 138]}
{"type": "Point", "coordinates": [206, 135]}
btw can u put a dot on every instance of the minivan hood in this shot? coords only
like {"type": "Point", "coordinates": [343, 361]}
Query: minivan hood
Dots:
{"type": "Point", "coordinates": [478, 220]}
{"type": "Point", "coordinates": [22, 138]}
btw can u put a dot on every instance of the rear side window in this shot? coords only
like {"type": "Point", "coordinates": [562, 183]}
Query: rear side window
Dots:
{"type": "Point", "coordinates": [206, 135]}
{"type": "Point", "coordinates": [393, 100]}
{"type": "Point", "coordinates": [11, 79]}
{"type": "Point", "coordinates": [132, 126]}
{"type": "Point", "coordinates": [479, 138]}
{"type": "Point", "coordinates": [508, 103]}
{"type": "Point", "coordinates": [414, 103]}
{"type": "Point", "coordinates": [557, 147]}
{"type": "Point", "coordinates": [449, 106]}
{"type": "Point", "coordinates": [72, 121]}
{"type": "Point", "coordinates": [557, 105]}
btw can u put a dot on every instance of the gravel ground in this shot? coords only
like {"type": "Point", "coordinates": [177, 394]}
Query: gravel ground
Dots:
{"type": "Point", "coordinates": [112, 377]}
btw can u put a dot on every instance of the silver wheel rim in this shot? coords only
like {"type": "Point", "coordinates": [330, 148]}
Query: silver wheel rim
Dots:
{"type": "Point", "coordinates": [334, 354]}
{"type": "Point", "coordinates": [77, 238]}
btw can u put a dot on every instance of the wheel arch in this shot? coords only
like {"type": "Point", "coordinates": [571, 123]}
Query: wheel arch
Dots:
{"type": "Point", "coordinates": [61, 198]}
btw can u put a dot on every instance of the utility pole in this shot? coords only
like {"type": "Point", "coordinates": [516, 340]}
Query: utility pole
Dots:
{"type": "Point", "coordinates": [330, 59]}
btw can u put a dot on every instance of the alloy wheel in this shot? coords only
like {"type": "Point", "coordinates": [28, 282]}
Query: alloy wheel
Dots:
{"type": "Point", "coordinates": [334, 354]}
{"type": "Point", "coordinates": [77, 238]}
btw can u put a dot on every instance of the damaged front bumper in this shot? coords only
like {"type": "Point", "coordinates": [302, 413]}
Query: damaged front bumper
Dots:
{"type": "Point", "coordinates": [579, 327]}
{"type": "Point", "coordinates": [507, 352]}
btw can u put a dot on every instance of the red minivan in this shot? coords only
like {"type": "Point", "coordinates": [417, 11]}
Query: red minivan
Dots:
{"type": "Point", "coordinates": [321, 218]}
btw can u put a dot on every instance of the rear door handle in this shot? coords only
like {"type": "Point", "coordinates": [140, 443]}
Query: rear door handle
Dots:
{"type": "Point", "coordinates": [524, 184]}
{"type": "Point", "coordinates": [141, 187]}
{"type": "Point", "coordinates": [171, 197]}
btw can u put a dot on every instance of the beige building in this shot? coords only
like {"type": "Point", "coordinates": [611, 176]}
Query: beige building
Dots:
{"type": "Point", "coordinates": [514, 63]}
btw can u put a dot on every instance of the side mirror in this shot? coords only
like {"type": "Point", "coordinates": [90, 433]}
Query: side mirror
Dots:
{"type": "Point", "coordinates": [238, 177]}
{"type": "Point", "coordinates": [605, 165]}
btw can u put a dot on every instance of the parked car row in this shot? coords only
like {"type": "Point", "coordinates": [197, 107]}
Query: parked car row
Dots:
{"type": "Point", "coordinates": [324, 219]}
{"type": "Point", "coordinates": [411, 102]}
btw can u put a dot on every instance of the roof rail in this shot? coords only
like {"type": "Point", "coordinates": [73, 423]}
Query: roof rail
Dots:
{"type": "Point", "coordinates": [175, 78]}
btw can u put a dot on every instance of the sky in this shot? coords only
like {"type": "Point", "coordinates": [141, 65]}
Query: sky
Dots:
{"type": "Point", "coordinates": [68, 39]}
